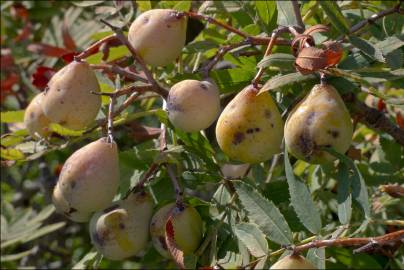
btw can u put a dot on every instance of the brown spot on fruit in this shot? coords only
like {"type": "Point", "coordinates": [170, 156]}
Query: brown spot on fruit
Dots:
{"type": "Point", "coordinates": [145, 20]}
{"type": "Point", "coordinates": [272, 125]}
{"type": "Point", "coordinates": [32, 115]}
{"type": "Point", "coordinates": [267, 114]}
{"type": "Point", "coordinates": [203, 86]}
{"type": "Point", "coordinates": [238, 137]}
{"type": "Point", "coordinates": [250, 130]}
{"type": "Point", "coordinates": [333, 133]}
{"type": "Point", "coordinates": [168, 26]}
{"type": "Point", "coordinates": [121, 226]}
{"type": "Point", "coordinates": [72, 184]}
{"type": "Point", "coordinates": [98, 239]}
{"type": "Point", "coordinates": [162, 241]}
{"type": "Point", "coordinates": [306, 144]}
{"type": "Point", "coordinates": [257, 129]}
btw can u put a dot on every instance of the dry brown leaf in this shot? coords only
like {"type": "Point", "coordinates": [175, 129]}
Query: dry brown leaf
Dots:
{"type": "Point", "coordinates": [311, 59]}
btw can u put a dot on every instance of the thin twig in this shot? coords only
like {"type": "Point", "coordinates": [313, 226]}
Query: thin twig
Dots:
{"type": "Point", "coordinates": [176, 185]}
{"type": "Point", "coordinates": [298, 15]}
{"type": "Point", "coordinates": [147, 175]}
{"type": "Point", "coordinates": [383, 240]}
{"type": "Point", "coordinates": [94, 48]}
{"type": "Point", "coordinates": [121, 71]}
{"type": "Point", "coordinates": [111, 119]}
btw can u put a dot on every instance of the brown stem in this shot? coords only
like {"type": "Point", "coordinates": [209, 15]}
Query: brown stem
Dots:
{"type": "Point", "coordinates": [121, 71]}
{"type": "Point", "coordinates": [119, 34]}
{"type": "Point", "coordinates": [367, 243]}
{"type": "Point", "coordinates": [111, 119]}
{"type": "Point", "coordinates": [94, 48]}
{"type": "Point", "coordinates": [176, 185]}
{"type": "Point", "coordinates": [148, 174]}
{"type": "Point", "coordinates": [394, 190]}
{"type": "Point", "coordinates": [298, 15]}
{"type": "Point", "coordinates": [373, 118]}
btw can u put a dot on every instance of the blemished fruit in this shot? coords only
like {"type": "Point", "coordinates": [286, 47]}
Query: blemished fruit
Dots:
{"type": "Point", "coordinates": [182, 225]}
{"type": "Point", "coordinates": [88, 181]}
{"type": "Point", "coordinates": [193, 105]}
{"type": "Point", "coordinates": [250, 128]}
{"type": "Point", "coordinates": [157, 229]}
{"type": "Point", "coordinates": [319, 120]}
{"type": "Point", "coordinates": [35, 120]}
{"type": "Point", "coordinates": [184, 228]}
{"type": "Point", "coordinates": [158, 36]}
{"type": "Point", "coordinates": [121, 230]}
{"type": "Point", "coordinates": [68, 101]}
{"type": "Point", "coordinates": [293, 262]}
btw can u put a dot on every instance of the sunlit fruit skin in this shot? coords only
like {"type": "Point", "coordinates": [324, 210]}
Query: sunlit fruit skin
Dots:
{"type": "Point", "coordinates": [184, 226]}
{"type": "Point", "coordinates": [157, 229]}
{"type": "Point", "coordinates": [89, 179]}
{"type": "Point", "coordinates": [158, 36]}
{"type": "Point", "coordinates": [193, 105]}
{"type": "Point", "coordinates": [121, 230]}
{"type": "Point", "coordinates": [250, 128]}
{"type": "Point", "coordinates": [321, 119]}
{"type": "Point", "coordinates": [234, 170]}
{"type": "Point", "coordinates": [68, 100]}
{"type": "Point", "coordinates": [35, 120]}
{"type": "Point", "coordinates": [293, 262]}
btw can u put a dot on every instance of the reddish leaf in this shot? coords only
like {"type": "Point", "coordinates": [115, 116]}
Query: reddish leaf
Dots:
{"type": "Point", "coordinates": [400, 120]}
{"type": "Point", "coordinates": [142, 133]}
{"type": "Point", "coordinates": [311, 59]}
{"type": "Point", "coordinates": [67, 38]}
{"type": "Point", "coordinates": [354, 153]}
{"type": "Point", "coordinates": [333, 51]}
{"type": "Point", "coordinates": [69, 57]}
{"type": "Point", "coordinates": [25, 32]}
{"type": "Point", "coordinates": [6, 59]}
{"type": "Point", "coordinates": [18, 10]}
{"type": "Point", "coordinates": [41, 76]}
{"type": "Point", "coordinates": [47, 50]}
{"type": "Point", "coordinates": [8, 83]}
{"type": "Point", "coordinates": [176, 253]}
{"type": "Point", "coordinates": [381, 106]}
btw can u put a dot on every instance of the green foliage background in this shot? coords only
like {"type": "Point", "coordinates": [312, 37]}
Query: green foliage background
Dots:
{"type": "Point", "coordinates": [279, 202]}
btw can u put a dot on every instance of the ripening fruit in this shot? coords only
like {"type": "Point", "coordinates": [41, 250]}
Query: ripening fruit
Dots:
{"type": "Point", "coordinates": [158, 36]}
{"type": "Point", "coordinates": [89, 180]}
{"type": "Point", "coordinates": [250, 128]}
{"type": "Point", "coordinates": [157, 229]}
{"type": "Point", "coordinates": [68, 100]}
{"type": "Point", "coordinates": [183, 226]}
{"type": "Point", "coordinates": [193, 105]}
{"type": "Point", "coordinates": [234, 170]}
{"type": "Point", "coordinates": [293, 262]}
{"type": "Point", "coordinates": [319, 120]}
{"type": "Point", "coordinates": [121, 230]}
{"type": "Point", "coordinates": [35, 120]}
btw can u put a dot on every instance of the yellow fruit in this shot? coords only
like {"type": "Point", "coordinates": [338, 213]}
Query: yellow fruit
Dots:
{"type": "Point", "coordinates": [68, 100]}
{"type": "Point", "coordinates": [193, 105]}
{"type": "Point", "coordinates": [121, 230]}
{"type": "Point", "coordinates": [157, 229]}
{"type": "Point", "coordinates": [250, 128]}
{"type": "Point", "coordinates": [293, 262]}
{"type": "Point", "coordinates": [62, 206]}
{"type": "Point", "coordinates": [89, 179]}
{"type": "Point", "coordinates": [184, 227]}
{"type": "Point", "coordinates": [35, 120]}
{"type": "Point", "coordinates": [319, 120]}
{"type": "Point", "coordinates": [158, 36]}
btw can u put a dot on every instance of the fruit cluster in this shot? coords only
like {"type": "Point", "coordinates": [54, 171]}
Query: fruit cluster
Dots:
{"type": "Point", "coordinates": [250, 129]}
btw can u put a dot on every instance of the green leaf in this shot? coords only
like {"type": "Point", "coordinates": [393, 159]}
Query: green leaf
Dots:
{"type": "Point", "coordinates": [86, 260]}
{"type": "Point", "coordinates": [44, 231]}
{"type": "Point", "coordinates": [264, 213]}
{"type": "Point", "coordinates": [11, 154]}
{"type": "Point", "coordinates": [253, 238]}
{"type": "Point", "coordinates": [144, 5]}
{"type": "Point", "coordinates": [367, 48]}
{"type": "Point", "coordinates": [283, 80]}
{"type": "Point", "coordinates": [335, 16]}
{"type": "Point", "coordinates": [344, 196]}
{"type": "Point", "coordinates": [301, 200]}
{"type": "Point", "coordinates": [286, 16]}
{"type": "Point", "coordinates": [359, 190]}
{"type": "Point", "coordinates": [88, 3]}
{"type": "Point", "coordinates": [390, 44]}
{"type": "Point", "coordinates": [281, 60]}
{"type": "Point", "coordinates": [266, 10]}
{"type": "Point", "coordinates": [17, 256]}
{"type": "Point", "coordinates": [183, 6]}
{"type": "Point", "coordinates": [317, 257]}
{"type": "Point", "coordinates": [65, 131]}
{"type": "Point", "coordinates": [12, 116]}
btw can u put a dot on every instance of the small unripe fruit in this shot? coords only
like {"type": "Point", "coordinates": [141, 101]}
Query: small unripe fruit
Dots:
{"type": "Point", "coordinates": [35, 120]}
{"type": "Point", "coordinates": [89, 179]}
{"type": "Point", "coordinates": [319, 120]}
{"type": "Point", "coordinates": [234, 170]}
{"type": "Point", "coordinates": [158, 227]}
{"type": "Point", "coordinates": [193, 105]}
{"type": "Point", "coordinates": [250, 128]}
{"type": "Point", "coordinates": [184, 228]}
{"type": "Point", "coordinates": [121, 230]}
{"type": "Point", "coordinates": [293, 262]}
{"type": "Point", "coordinates": [68, 100]}
{"type": "Point", "coordinates": [158, 36]}
{"type": "Point", "coordinates": [182, 225]}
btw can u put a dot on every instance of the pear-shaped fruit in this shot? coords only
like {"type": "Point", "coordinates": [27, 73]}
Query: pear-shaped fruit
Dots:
{"type": "Point", "coordinates": [68, 100]}
{"type": "Point", "coordinates": [250, 128]}
{"type": "Point", "coordinates": [158, 36]}
{"type": "Point", "coordinates": [293, 262]}
{"type": "Point", "coordinates": [157, 229]}
{"type": "Point", "coordinates": [121, 230]}
{"type": "Point", "coordinates": [35, 120]}
{"type": "Point", "coordinates": [184, 229]}
{"type": "Point", "coordinates": [89, 179]}
{"type": "Point", "coordinates": [319, 120]}
{"type": "Point", "coordinates": [193, 105]}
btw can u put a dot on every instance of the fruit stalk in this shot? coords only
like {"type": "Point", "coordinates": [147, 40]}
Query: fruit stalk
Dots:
{"type": "Point", "coordinates": [176, 185]}
{"type": "Point", "coordinates": [110, 125]}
